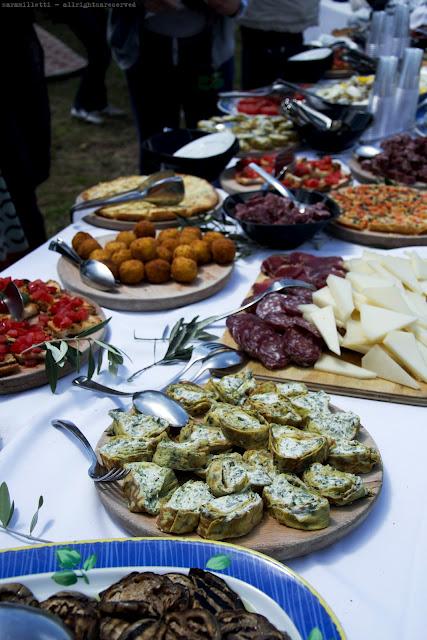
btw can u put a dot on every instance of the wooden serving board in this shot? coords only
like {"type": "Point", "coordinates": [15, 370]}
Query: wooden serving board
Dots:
{"type": "Point", "coordinates": [269, 537]}
{"type": "Point", "coordinates": [145, 296]}
{"type": "Point", "coordinates": [376, 238]}
{"type": "Point", "coordinates": [31, 377]}
{"type": "Point", "coordinates": [366, 177]}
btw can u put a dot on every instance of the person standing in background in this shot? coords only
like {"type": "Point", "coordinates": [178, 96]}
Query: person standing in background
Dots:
{"type": "Point", "coordinates": [272, 31]}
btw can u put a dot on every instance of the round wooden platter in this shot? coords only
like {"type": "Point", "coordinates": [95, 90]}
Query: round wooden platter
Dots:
{"type": "Point", "coordinates": [375, 238]}
{"type": "Point", "coordinates": [145, 296]}
{"type": "Point", "coordinates": [367, 177]}
{"type": "Point", "coordinates": [269, 537]}
{"type": "Point", "coordinates": [31, 377]}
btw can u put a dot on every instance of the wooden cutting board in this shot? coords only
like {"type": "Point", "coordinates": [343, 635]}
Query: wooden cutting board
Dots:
{"type": "Point", "coordinates": [269, 537]}
{"type": "Point", "coordinates": [375, 238]}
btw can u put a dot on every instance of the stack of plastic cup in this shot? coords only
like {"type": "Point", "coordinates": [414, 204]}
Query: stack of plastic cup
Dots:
{"type": "Point", "coordinates": [381, 102]}
{"type": "Point", "coordinates": [387, 44]}
{"type": "Point", "coordinates": [374, 36]}
{"type": "Point", "coordinates": [407, 92]}
{"type": "Point", "coordinates": [401, 37]}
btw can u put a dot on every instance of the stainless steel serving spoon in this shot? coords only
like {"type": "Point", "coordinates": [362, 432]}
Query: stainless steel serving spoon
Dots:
{"type": "Point", "coordinates": [278, 186]}
{"type": "Point", "coordinates": [12, 298]}
{"type": "Point", "coordinates": [222, 363]}
{"type": "Point", "coordinates": [366, 151]}
{"type": "Point", "coordinates": [92, 272]}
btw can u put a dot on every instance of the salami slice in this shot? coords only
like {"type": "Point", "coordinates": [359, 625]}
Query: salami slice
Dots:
{"type": "Point", "coordinates": [258, 340]}
{"type": "Point", "coordinates": [301, 347]}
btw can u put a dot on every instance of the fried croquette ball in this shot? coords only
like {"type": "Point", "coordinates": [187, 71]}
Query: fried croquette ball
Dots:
{"type": "Point", "coordinates": [144, 249]}
{"type": "Point", "coordinates": [114, 268]}
{"type": "Point", "coordinates": [223, 251]}
{"type": "Point", "coordinates": [164, 253]}
{"type": "Point", "coordinates": [170, 243]}
{"type": "Point", "coordinates": [100, 254]}
{"type": "Point", "coordinates": [168, 234]}
{"type": "Point", "coordinates": [183, 269]}
{"type": "Point", "coordinates": [78, 238]}
{"type": "Point", "coordinates": [87, 246]}
{"type": "Point", "coordinates": [115, 245]}
{"type": "Point", "coordinates": [192, 231]}
{"type": "Point", "coordinates": [131, 271]}
{"type": "Point", "coordinates": [121, 256]}
{"type": "Point", "coordinates": [186, 251]}
{"type": "Point", "coordinates": [202, 251]}
{"type": "Point", "coordinates": [210, 236]}
{"type": "Point", "coordinates": [126, 236]}
{"type": "Point", "coordinates": [157, 271]}
{"type": "Point", "coordinates": [144, 229]}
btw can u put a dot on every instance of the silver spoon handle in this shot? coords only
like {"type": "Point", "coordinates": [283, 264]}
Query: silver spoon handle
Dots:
{"type": "Point", "coordinates": [66, 425]}
{"type": "Point", "coordinates": [280, 188]}
{"type": "Point", "coordinates": [85, 383]}
{"type": "Point", "coordinates": [60, 246]}
{"type": "Point", "coordinates": [124, 196]}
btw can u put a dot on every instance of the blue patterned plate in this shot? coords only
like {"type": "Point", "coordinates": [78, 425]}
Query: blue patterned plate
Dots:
{"type": "Point", "coordinates": [265, 585]}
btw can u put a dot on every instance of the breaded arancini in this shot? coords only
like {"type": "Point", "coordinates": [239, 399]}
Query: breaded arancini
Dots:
{"type": "Point", "coordinates": [126, 236]}
{"type": "Point", "coordinates": [157, 271]}
{"type": "Point", "coordinates": [115, 245]}
{"type": "Point", "coordinates": [170, 243]}
{"type": "Point", "coordinates": [223, 251]}
{"type": "Point", "coordinates": [144, 249]}
{"type": "Point", "coordinates": [121, 256]}
{"type": "Point", "coordinates": [167, 234]}
{"type": "Point", "coordinates": [186, 251]}
{"type": "Point", "coordinates": [202, 251]}
{"type": "Point", "coordinates": [144, 229]}
{"type": "Point", "coordinates": [100, 254]}
{"type": "Point", "coordinates": [192, 231]}
{"type": "Point", "coordinates": [131, 271]}
{"type": "Point", "coordinates": [210, 236]}
{"type": "Point", "coordinates": [184, 270]}
{"type": "Point", "coordinates": [86, 247]}
{"type": "Point", "coordinates": [164, 253]}
{"type": "Point", "coordinates": [78, 238]}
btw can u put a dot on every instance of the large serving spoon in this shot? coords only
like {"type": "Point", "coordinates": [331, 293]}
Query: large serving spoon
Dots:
{"type": "Point", "coordinates": [278, 186]}
{"type": "Point", "coordinates": [366, 151]}
{"type": "Point", "coordinates": [151, 402]}
{"type": "Point", "coordinates": [92, 272]}
{"type": "Point", "coordinates": [166, 191]}
{"type": "Point", "coordinates": [224, 362]}
{"type": "Point", "coordinates": [12, 298]}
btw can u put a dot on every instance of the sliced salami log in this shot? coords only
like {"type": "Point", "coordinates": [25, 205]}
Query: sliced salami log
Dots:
{"type": "Point", "coordinates": [302, 347]}
{"type": "Point", "coordinates": [258, 340]}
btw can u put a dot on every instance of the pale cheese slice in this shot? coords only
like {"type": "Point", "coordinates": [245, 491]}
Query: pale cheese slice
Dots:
{"type": "Point", "coordinates": [360, 281]}
{"type": "Point", "coordinates": [307, 309]}
{"type": "Point", "coordinates": [360, 348]}
{"type": "Point", "coordinates": [423, 350]}
{"type": "Point", "coordinates": [323, 297]}
{"type": "Point", "coordinates": [359, 299]}
{"type": "Point", "coordinates": [420, 334]}
{"type": "Point", "coordinates": [371, 255]}
{"type": "Point", "coordinates": [358, 265]}
{"type": "Point", "coordinates": [354, 334]}
{"type": "Point", "coordinates": [423, 286]}
{"type": "Point", "coordinates": [403, 347]}
{"type": "Point", "coordinates": [402, 269]}
{"type": "Point", "coordinates": [324, 320]}
{"type": "Point", "coordinates": [377, 322]}
{"type": "Point", "coordinates": [417, 304]}
{"type": "Point", "coordinates": [418, 265]}
{"type": "Point", "coordinates": [341, 291]}
{"type": "Point", "coordinates": [380, 271]}
{"type": "Point", "coordinates": [389, 298]}
{"type": "Point", "coordinates": [378, 360]}
{"type": "Point", "coordinates": [330, 364]}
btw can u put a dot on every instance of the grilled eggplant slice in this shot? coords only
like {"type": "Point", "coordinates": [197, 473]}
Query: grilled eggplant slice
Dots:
{"type": "Point", "coordinates": [184, 456]}
{"type": "Point", "coordinates": [143, 595]}
{"type": "Point", "coordinates": [77, 611]}
{"type": "Point", "coordinates": [353, 456]}
{"type": "Point", "coordinates": [294, 450]}
{"type": "Point", "coordinates": [181, 513]}
{"type": "Point", "coordinates": [120, 450]}
{"type": "Point", "coordinates": [260, 467]}
{"type": "Point", "coordinates": [197, 432]}
{"type": "Point", "coordinates": [343, 425]}
{"type": "Point", "coordinates": [274, 408]}
{"type": "Point", "coordinates": [112, 628]}
{"type": "Point", "coordinates": [293, 504]}
{"type": "Point", "coordinates": [312, 402]}
{"type": "Point", "coordinates": [184, 581]}
{"type": "Point", "coordinates": [243, 625]}
{"type": "Point", "coordinates": [17, 593]}
{"type": "Point", "coordinates": [136, 425]}
{"type": "Point", "coordinates": [146, 629]}
{"type": "Point", "coordinates": [213, 593]}
{"type": "Point", "coordinates": [339, 487]}
{"type": "Point", "coordinates": [233, 389]}
{"type": "Point", "coordinates": [243, 428]}
{"type": "Point", "coordinates": [230, 516]}
{"type": "Point", "coordinates": [147, 485]}
{"type": "Point", "coordinates": [227, 474]}
{"type": "Point", "coordinates": [193, 624]}
{"type": "Point", "coordinates": [196, 400]}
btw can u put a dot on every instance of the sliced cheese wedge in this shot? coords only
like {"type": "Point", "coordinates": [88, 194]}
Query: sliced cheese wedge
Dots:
{"type": "Point", "coordinates": [323, 297]}
{"type": "Point", "coordinates": [389, 298]}
{"type": "Point", "coordinates": [359, 299]}
{"type": "Point", "coordinates": [380, 271]}
{"type": "Point", "coordinates": [330, 364]}
{"type": "Point", "coordinates": [371, 255]}
{"type": "Point", "coordinates": [403, 346]}
{"type": "Point", "coordinates": [307, 309]}
{"type": "Point", "coordinates": [341, 291]}
{"type": "Point", "coordinates": [324, 320]}
{"type": "Point", "coordinates": [377, 322]}
{"type": "Point", "coordinates": [423, 349]}
{"type": "Point", "coordinates": [418, 265]}
{"type": "Point", "coordinates": [354, 334]}
{"type": "Point", "coordinates": [403, 270]}
{"type": "Point", "coordinates": [360, 348]}
{"type": "Point", "coordinates": [359, 281]}
{"type": "Point", "coordinates": [417, 304]}
{"type": "Point", "coordinates": [423, 286]}
{"type": "Point", "coordinates": [358, 265]}
{"type": "Point", "coordinates": [378, 360]}
{"type": "Point", "coordinates": [420, 334]}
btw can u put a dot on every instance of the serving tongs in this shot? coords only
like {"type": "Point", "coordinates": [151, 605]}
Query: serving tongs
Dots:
{"type": "Point", "coordinates": [162, 188]}
{"type": "Point", "coordinates": [275, 88]}
{"type": "Point", "coordinates": [302, 114]}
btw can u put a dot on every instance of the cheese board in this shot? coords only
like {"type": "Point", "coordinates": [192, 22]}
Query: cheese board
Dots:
{"type": "Point", "coordinates": [269, 536]}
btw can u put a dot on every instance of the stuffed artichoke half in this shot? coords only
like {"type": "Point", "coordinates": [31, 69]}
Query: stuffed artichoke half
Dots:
{"type": "Point", "coordinates": [295, 505]}
{"type": "Point", "coordinates": [338, 487]}
{"type": "Point", "coordinates": [181, 513]}
{"type": "Point", "coordinates": [147, 485]}
{"type": "Point", "coordinates": [294, 450]}
{"type": "Point", "coordinates": [230, 516]}
{"type": "Point", "coordinates": [246, 429]}
{"type": "Point", "coordinates": [196, 400]}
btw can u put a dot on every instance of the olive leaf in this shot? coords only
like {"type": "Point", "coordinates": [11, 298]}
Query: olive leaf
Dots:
{"type": "Point", "coordinates": [218, 562]}
{"type": "Point", "coordinates": [94, 329]}
{"type": "Point", "coordinates": [90, 363]}
{"type": "Point", "coordinates": [90, 562]}
{"type": "Point", "coordinates": [315, 634]}
{"type": "Point", "coordinates": [68, 558]}
{"type": "Point", "coordinates": [6, 506]}
{"type": "Point", "coordinates": [35, 517]}
{"type": "Point", "coordinates": [51, 370]}
{"type": "Point", "coordinates": [65, 578]}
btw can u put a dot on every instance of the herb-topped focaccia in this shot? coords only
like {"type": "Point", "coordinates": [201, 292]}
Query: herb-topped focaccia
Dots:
{"type": "Point", "coordinates": [227, 474]}
{"type": "Point", "coordinates": [341, 425]}
{"type": "Point", "coordinates": [196, 400]}
{"type": "Point", "coordinates": [233, 389]}
{"type": "Point", "coordinates": [147, 485]}
{"type": "Point", "coordinates": [122, 449]}
{"type": "Point", "coordinates": [214, 436]}
{"type": "Point", "coordinates": [353, 456]}
{"type": "Point", "coordinates": [184, 456]}
{"type": "Point", "coordinates": [230, 516]}
{"type": "Point", "coordinates": [136, 425]}
{"type": "Point", "coordinates": [181, 513]}
{"type": "Point", "coordinates": [339, 487]}
{"type": "Point", "coordinates": [243, 428]}
{"type": "Point", "coordinates": [294, 450]}
{"type": "Point", "coordinates": [292, 503]}
{"type": "Point", "coordinates": [274, 408]}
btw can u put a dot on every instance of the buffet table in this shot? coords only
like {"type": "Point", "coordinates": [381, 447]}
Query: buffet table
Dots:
{"type": "Point", "coordinates": [332, 15]}
{"type": "Point", "coordinates": [373, 579]}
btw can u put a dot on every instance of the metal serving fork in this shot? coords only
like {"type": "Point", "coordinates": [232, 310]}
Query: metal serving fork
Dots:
{"type": "Point", "coordinates": [95, 471]}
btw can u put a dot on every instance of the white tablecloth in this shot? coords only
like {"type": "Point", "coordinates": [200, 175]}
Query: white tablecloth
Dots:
{"type": "Point", "coordinates": [374, 579]}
